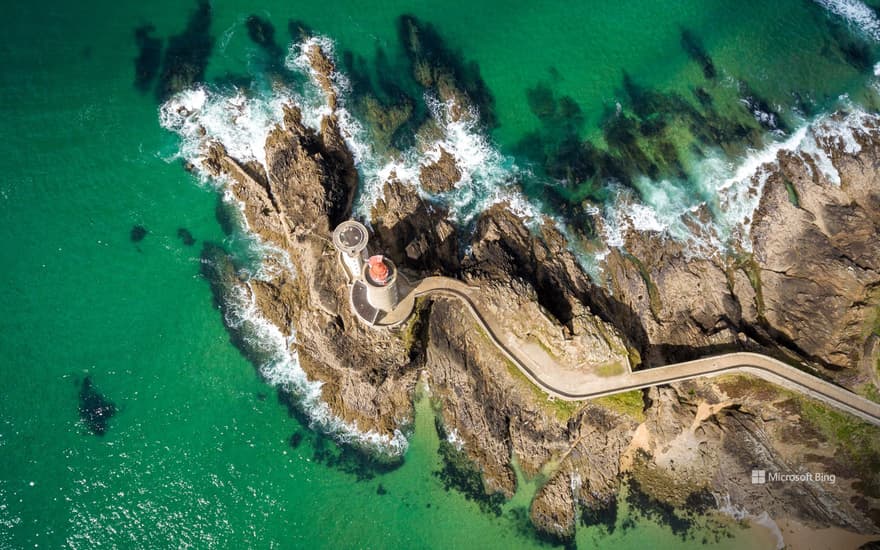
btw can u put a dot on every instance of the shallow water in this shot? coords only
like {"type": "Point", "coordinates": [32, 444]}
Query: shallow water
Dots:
{"type": "Point", "coordinates": [199, 448]}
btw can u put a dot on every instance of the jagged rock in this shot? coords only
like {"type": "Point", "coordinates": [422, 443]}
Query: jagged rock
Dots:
{"type": "Point", "coordinates": [323, 69]}
{"type": "Point", "coordinates": [553, 508]}
{"type": "Point", "coordinates": [809, 289]}
{"type": "Point", "coordinates": [819, 260]}
{"type": "Point", "coordinates": [662, 305]}
{"type": "Point", "coordinates": [441, 175]}
{"type": "Point", "coordinates": [414, 233]}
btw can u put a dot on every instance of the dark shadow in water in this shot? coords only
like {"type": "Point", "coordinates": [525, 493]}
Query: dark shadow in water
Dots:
{"type": "Point", "coordinates": [149, 59]}
{"type": "Point", "coordinates": [603, 515]}
{"type": "Point", "coordinates": [662, 512]}
{"type": "Point", "coordinates": [523, 525]}
{"type": "Point", "coordinates": [223, 275]}
{"type": "Point", "coordinates": [638, 141]}
{"type": "Point", "coordinates": [137, 233]}
{"type": "Point", "coordinates": [683, 522]}
{"type": "Point", "coordinates": [187, 54]}
{"type": "Point", "coordinates": [436, 65]}
{"type": "Point", "coordinates": [227, 216]}
{"type": "Point", "coordinates": [848, 46]}
{"type": "Point", "coordinates": [693, 47]}
{"type": "Point", "coordinates": [262, 33]}
{"type": "Point", "coordinates": [361, 463]}
{"type": "Point", "coordinates": [185, 236]}
{"type": "Point", "coordinates": [381, 98]}
{"type": "Point", "coordinates": [95, 410]}
{"type": "Point", "coordinates": [557, 148]}
{"type": "Point", "coordinates": [299, 30]}
{"type": "Point", "coordinates": [460, 473]}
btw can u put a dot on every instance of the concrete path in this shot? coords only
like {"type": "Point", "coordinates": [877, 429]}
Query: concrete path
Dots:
{"type": "Point", "coordinates": [572, 384]}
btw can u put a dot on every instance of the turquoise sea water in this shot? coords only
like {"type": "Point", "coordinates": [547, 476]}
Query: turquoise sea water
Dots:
{"type": "Point", "coordinates": [199, 451]}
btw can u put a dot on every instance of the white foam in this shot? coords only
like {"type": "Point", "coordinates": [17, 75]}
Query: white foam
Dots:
{"type": "Point", "coordinates": [454, 439]}
{"type": "Point", "coordinates": [242, 122]}
{"type": "Point", "coordinates": [239, 121]}
{"type": "Point", "coordinates": [487, 176]}
{"type": "Point", "coordinates": [714, 212]}
{"type": "Point", "coordinates": [739, 513]}
{"type": "Point", "coordinates": [280, 367]}
{"type": "Point", "coordinates": [857, 14]}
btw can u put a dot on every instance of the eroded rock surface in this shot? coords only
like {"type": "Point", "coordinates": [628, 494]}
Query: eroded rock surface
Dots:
{"type": "Point", "coordinates": [807, 292]}
{"type": "Point", "coordinates": [809, 289]}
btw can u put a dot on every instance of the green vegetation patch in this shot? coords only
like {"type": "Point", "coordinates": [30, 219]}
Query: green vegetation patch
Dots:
{"type": "Point", "coordinates": [414, 333]}
{"type": "Point", "coordinates": [740, 386]}
{"type": "Point", "coordinates": [792, 194]}
{"type": "Point", "coordinates": [562, 409]}
{"type": "Point", "coordinates": [870, 391]}
{"type": "Point", "coordinates": [610, 369]}
{"type": "Point", "coordinates": [629, 403]}
{"type": "Point", "coordinates": [859, 442]}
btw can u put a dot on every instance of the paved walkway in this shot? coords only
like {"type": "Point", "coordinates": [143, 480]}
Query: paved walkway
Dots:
{"type": "Point", "coordinates": [572, 384]}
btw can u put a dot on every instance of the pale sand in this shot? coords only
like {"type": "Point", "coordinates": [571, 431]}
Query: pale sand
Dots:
{"type": "Point", "coordinates": [798, 536]}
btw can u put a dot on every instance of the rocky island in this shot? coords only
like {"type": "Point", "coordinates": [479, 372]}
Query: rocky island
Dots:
{"type": "Point", "coordinates": [804, 289]}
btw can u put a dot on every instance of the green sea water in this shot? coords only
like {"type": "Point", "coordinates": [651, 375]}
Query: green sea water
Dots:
{"type": "Point", "coordinates": [199, 451]}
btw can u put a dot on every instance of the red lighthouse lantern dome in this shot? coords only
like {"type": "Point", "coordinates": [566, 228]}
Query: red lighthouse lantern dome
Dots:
{"type": "Point", "coordinates": [378, 270]}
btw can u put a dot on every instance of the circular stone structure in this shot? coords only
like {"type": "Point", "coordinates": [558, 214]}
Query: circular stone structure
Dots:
{"type": "Point", "coordinates": [350, 239]}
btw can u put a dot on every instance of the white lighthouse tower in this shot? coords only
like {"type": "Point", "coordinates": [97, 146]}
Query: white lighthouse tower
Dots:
{"type": "Point", "coordinates": [380, 276]}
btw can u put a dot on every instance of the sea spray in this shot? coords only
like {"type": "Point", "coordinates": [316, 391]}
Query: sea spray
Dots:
{"type": "Point", "coordinates": [242, 123]}
{"type": "Point", "coordinates": [279, 365]}
{"type": "Point", "coordinates": [712, 213]}
{"type": "Point", "coordinates": [488, 177]}
{"type": "Point", "coordinates": [857, 14]}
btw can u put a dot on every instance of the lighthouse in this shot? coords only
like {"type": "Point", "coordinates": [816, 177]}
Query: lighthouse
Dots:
{"type": "Point", "coordinates": [375, 287]}
{"type": "Point", "coordinates": [380, 276]}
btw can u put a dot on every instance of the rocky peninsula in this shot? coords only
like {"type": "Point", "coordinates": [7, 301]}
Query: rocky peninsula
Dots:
{"type": "Point", "coordinates": [806, 290]}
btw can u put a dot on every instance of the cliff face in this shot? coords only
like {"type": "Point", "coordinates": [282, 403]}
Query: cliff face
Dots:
{"type": "Point", "coordinates": [808, 291]}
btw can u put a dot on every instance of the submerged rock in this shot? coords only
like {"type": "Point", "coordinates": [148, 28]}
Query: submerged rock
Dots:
{"type": "Point", "coordinates": [185, 236]}
{"type": "Point", "coordinates": [95, 410]}
{"type": "Point", "coordinates": [138, 233]}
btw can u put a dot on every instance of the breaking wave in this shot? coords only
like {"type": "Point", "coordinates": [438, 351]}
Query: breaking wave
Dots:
{"type": "Point", "coordinates": [713, 213]}
{"type": "Point", "coordinates": [739, 513]}
{"type": "Point", "coordinates": [857, 14]}
{"type": "Point", "coordinates": [279, 365]}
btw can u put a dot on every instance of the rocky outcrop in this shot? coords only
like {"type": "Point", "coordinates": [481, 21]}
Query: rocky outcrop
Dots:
{"type": "Point", "coordinates": [554, 508]}
{"type": "Point", "coordinates": [679, 443]}
{"type": "Point", "coordinates": [441, 175]}
{"type": "Point", "coordinates": [414, 233]}
{"type": "Point", "coordinates": [807, 290]}
{"type": "Point", "coordinates": [817, 248]}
